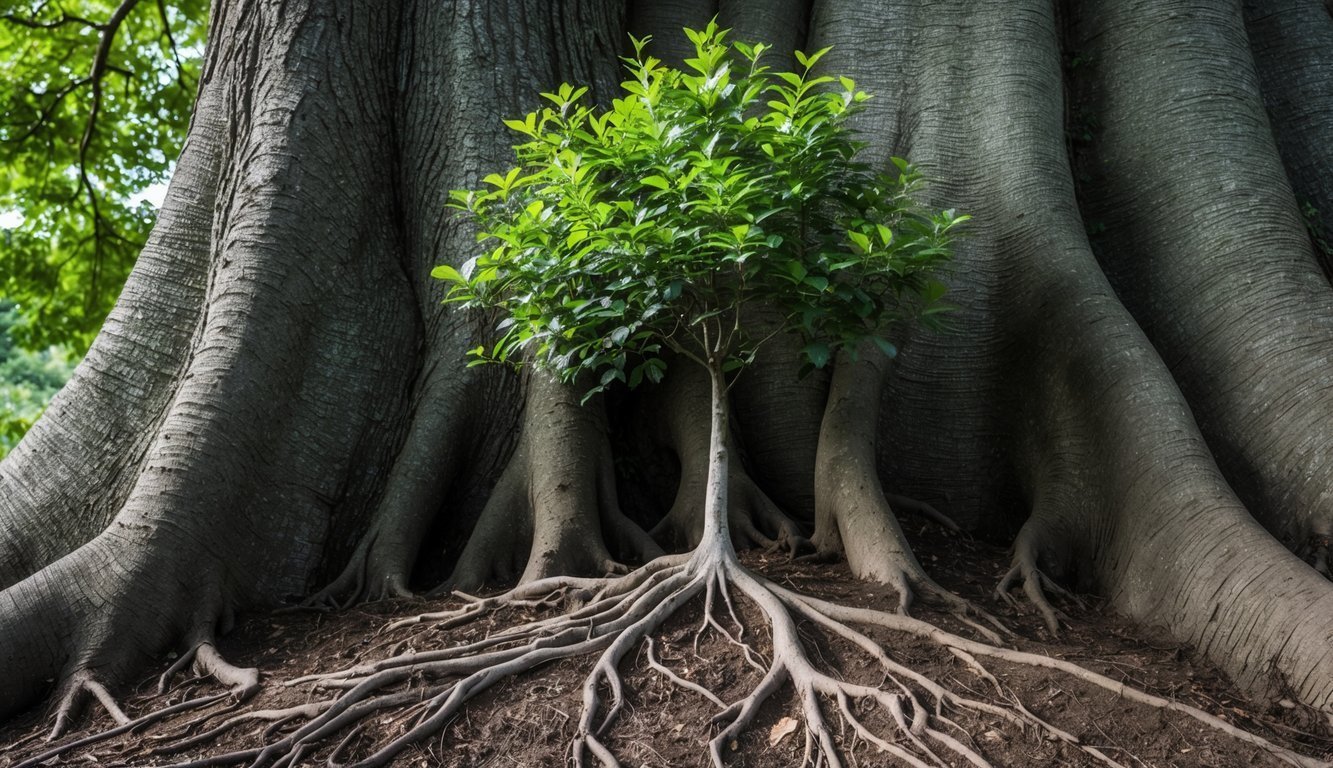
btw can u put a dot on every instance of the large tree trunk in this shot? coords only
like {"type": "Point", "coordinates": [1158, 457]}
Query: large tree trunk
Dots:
{"type": "Point", "coordinates": [280, 402]}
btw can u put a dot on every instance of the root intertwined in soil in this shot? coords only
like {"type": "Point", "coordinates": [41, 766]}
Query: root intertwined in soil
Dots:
{"type": "Point", "coordinates": [889, 705]}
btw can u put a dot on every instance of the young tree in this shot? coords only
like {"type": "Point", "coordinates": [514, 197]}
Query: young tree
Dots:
{"type": "Point", "coordinates": [657, 225]}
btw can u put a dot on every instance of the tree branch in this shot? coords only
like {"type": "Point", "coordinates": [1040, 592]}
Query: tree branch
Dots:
{"type": "Point", "coordinates": [64, 20]}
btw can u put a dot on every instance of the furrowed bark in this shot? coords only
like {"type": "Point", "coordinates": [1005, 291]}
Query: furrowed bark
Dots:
{"type": "Point", "coordinates": [463, 68]}
{"type": "Point", "coordinates": [944, 402]}
{"type": "Point", "coordinates": [1292, 44]}
{"type": "Point", "coordinates": [1098, 432]}
{"type": "Point", "coordinates": [302, 382]}
{"type": "Point", "coordinates": [286, 400]}
{"type": "Point", "coordinates": [1204, 243]}
{"type": "Point", "coordinates": [664, 20]}
{"type": "Point", "coordinates": [63, 483]}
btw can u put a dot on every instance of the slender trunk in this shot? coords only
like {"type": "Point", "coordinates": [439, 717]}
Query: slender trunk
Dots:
{"type": "Point", "coordinates": [716, 534]}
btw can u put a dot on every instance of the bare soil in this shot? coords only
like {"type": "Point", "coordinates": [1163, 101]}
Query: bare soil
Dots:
{"type": "Point", "coordinates": [530, 720]}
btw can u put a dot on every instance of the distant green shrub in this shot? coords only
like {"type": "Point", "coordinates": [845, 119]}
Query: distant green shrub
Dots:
{"type": "Point", "coordinates": [28, 380]}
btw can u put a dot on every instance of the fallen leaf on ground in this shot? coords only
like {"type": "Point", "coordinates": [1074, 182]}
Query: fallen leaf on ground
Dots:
{"type": "Point", "coordinates": [781, 729]}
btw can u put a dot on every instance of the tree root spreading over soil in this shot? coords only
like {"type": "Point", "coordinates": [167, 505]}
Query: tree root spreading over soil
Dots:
{"type": "Point", "coordinates": [865, 700]}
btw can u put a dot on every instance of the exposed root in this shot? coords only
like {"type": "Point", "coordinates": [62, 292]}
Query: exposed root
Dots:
{"type": "Point", "coordinates": [897, 710]}
{"type": "Point", "coordinates": [83, 688]}
{"type": "Point", "coordinates": [359, 581]}
{"type": "Point", "coordinates": [661, 668]}
{"type": "Point", "coordinates": [1035, 584]}
{"type": "Point", "coordinates": [79, 690]}
{"type": "Point", "coordinates": [190, 736]}
{"type": "Point", "coordinates": [848, 615]}
{"type": "Point", "coordinates": [125, 727]}
{"type": "Point", "coordinates": [910, 581]}
{"type": "Point", "coordinates": [923, 510]}
{"type": "Point", "coordinates": [207, 662]}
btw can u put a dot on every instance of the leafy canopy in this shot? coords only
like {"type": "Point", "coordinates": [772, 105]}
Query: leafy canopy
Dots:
{"type": "Point", "coordinates": [650, 225]}
{"type": "Point", "coordinates": [95, 96]}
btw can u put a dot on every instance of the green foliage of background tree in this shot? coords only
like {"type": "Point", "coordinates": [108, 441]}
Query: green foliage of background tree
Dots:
{"type": "Point", "coordinates": [95, 100]}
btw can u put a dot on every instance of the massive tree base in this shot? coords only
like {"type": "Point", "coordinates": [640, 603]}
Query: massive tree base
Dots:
{"type": "Point", "coordinates": [279, 402]}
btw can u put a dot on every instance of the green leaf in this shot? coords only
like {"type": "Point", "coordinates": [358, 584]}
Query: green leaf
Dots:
{"type": "Point", "coordinates": [859, 241]}
{"type": "Point", "coordinates": [817, 353]}
{"type": "Point", "coordinates": [656, 370]}
{"type": "Point", "coordinates": [521, 126]}
{"type": "Point", "coordinates": [889, 350]}
{"type": "Point", "coordinates": [659, 219]}
{"type": "Point", "coordinates": [885, 234]}
{"type": "Point", "coordinates": [446, 272]}
{"type": "Point", "coordinates": [809, 60]}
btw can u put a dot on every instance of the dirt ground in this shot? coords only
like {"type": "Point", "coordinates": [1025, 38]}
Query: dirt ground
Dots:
{"type": "Point", "coordinates": [530, 720]}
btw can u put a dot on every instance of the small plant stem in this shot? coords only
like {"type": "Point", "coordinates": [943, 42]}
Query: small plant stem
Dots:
{"type": "Point", "coordinates": [716, 536]}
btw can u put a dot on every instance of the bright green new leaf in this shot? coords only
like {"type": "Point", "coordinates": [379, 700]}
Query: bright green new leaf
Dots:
{"type": "Point", "coordinates": [446, 272]}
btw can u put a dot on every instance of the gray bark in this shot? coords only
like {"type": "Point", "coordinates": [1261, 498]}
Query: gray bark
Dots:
{"type": "Point", "coordinates": [281, 405]}
{"type": "Point", "coordinates": [1292, 43]}
{"type": "Point", "coordinates": [83, 463]}
{"type": "Point", "coordinates": [1047, 381]}
{"type": "Point", "coordinates": [1204, 244]}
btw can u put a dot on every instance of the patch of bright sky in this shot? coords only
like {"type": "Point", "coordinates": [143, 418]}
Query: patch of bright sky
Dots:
{"type": "Point", "coordinates": [153, 193]}
{"type": "Point", "coordinates": [10, 219]}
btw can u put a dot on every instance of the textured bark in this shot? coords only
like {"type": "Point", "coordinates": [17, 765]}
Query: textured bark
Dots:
{"type": "Point", "coordinates": [852, 515]}
{"type": "Point", "coordinates": [280, 403]}
{"type": "Point", "coordinates": [284, 394]}
{"type": "Point", "coordinates": [1292, 43]}
{"type": "Point", "coordinates": [1204, 244]}
{"type": "Point", "coordinates": [83, 463]}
